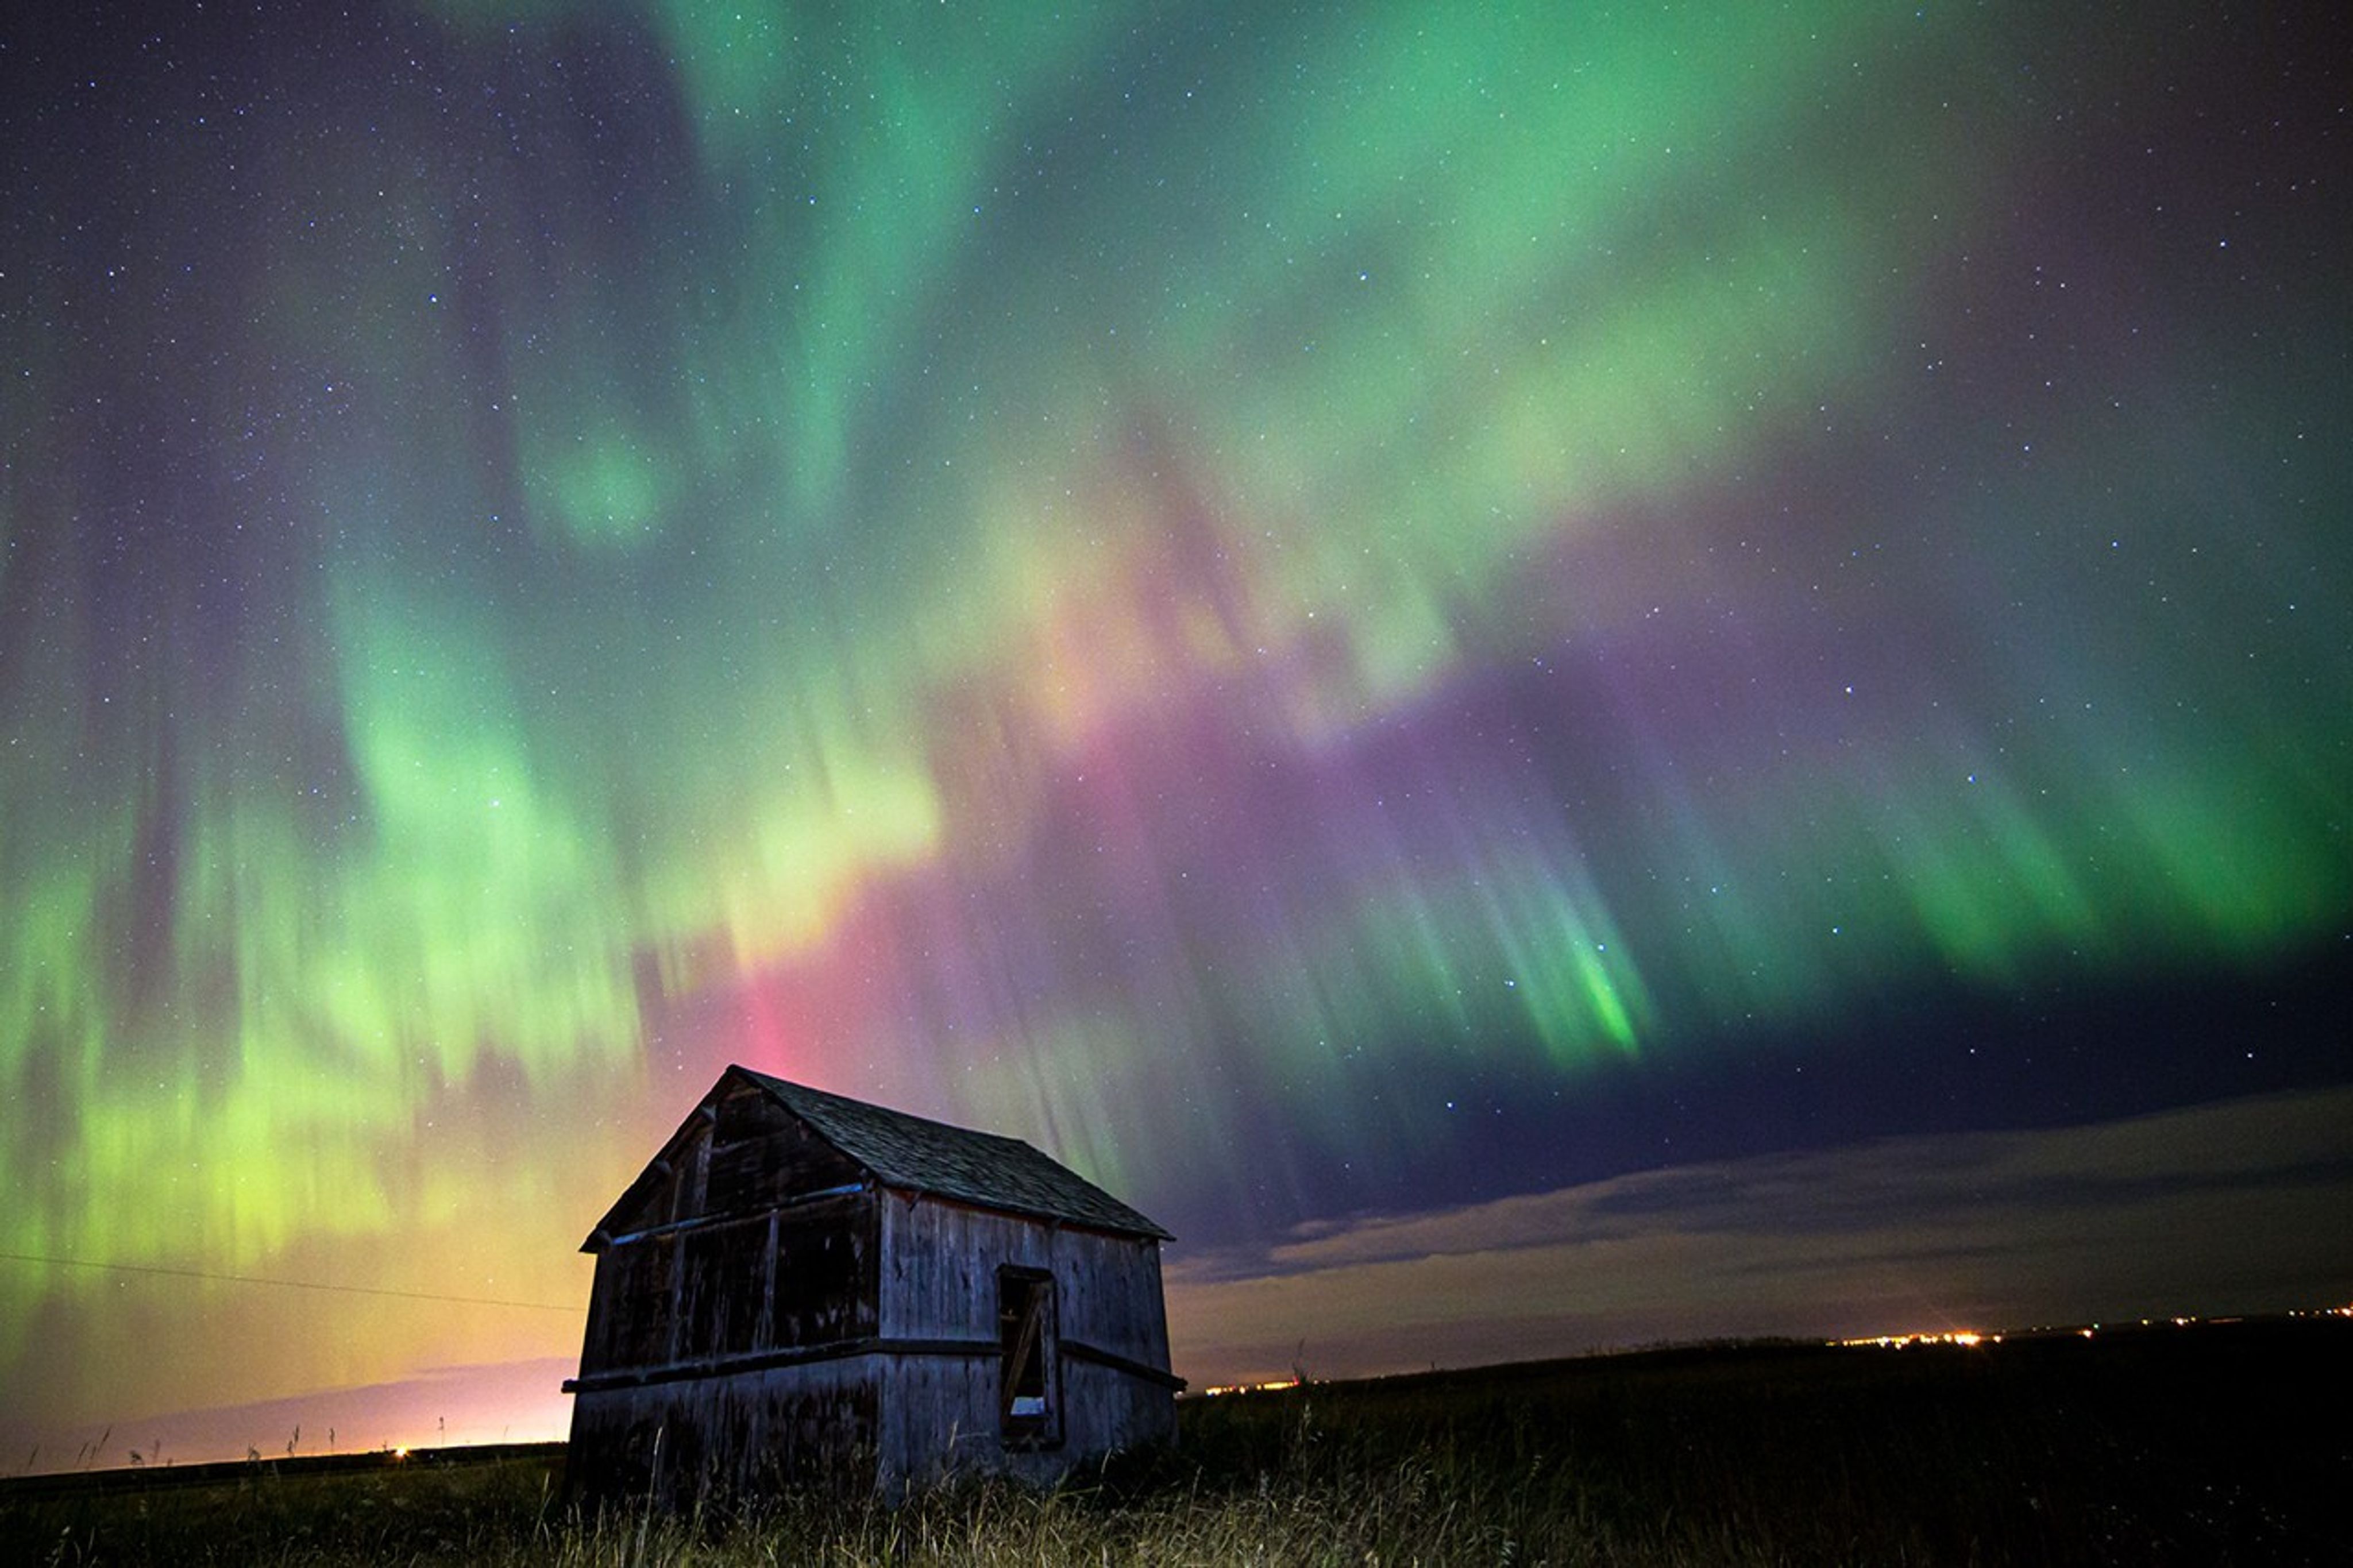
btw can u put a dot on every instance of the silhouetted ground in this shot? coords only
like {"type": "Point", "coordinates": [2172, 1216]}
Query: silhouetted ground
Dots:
{"type": "Point", "coordinates": [2219, 1443]}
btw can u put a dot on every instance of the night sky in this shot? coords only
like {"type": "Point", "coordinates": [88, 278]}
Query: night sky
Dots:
{"type": "Point", "coordinates": [1551, 675]}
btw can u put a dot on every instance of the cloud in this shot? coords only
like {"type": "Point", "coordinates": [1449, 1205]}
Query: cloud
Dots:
{"type": "Point", "coordinates": [2234, 1206]}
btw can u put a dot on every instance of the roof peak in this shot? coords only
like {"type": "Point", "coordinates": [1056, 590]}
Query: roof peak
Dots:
{"type": "Point", "coordinates": [918, 1154]}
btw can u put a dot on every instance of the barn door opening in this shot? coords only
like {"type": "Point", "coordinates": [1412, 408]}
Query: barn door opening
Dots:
{"type": "Point", "coordinates": [1026, 1406]}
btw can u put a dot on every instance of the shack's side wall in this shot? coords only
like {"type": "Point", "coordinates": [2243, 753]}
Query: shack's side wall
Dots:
{"type": "Point", "coordinates": [793, 1278]}
{"type": "Point", "coordinates": [671, 1310]}
{"type": "Point", "coordinates": [939, 1288]}
{"type": "Point", "coordinates": [705, 1439]}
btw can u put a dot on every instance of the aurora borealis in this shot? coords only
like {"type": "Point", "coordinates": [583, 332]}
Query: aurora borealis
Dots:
{"type": "Point", "coordinates": [1333, 613]}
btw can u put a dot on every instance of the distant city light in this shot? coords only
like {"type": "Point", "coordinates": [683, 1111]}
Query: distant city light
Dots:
{"type": "Point", "coordinates": [1944, 1337]}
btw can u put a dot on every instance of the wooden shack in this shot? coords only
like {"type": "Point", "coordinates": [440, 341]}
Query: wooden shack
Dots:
{"type": "Point", "coordinates": [804, 1288]}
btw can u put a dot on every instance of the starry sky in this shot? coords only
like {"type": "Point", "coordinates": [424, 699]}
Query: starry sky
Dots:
{"type": "Point", "coordinates": [1549, 674]}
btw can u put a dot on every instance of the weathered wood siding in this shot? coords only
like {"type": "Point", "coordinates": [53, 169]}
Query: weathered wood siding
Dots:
{"type": "Point", "coordinates": [707, 1438]}
{"type": "Point", "coordinates": [939, 1418]}
{"type": "Point", "coordinates": [939, 1289]}
{"type": "Point", "coordinates": [740, 1155]}
{"type": "Point", "coordinates": [939, 1276]}
{"type": "Point", "coordinates": [794, 1277]}
{"type": "Point", "coordinates": [761, 1155]}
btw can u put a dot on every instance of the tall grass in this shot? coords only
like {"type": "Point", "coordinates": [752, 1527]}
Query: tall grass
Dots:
{"type": "Point", "coordinates": [2200, 1448]}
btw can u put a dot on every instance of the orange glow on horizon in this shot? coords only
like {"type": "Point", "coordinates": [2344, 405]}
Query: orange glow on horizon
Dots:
{"type": "Point", "coordinates": [1272, 1386]}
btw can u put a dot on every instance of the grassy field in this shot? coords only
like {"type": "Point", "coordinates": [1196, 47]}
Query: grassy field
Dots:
{"type": "Point", "coordinates": [2214, 1443]}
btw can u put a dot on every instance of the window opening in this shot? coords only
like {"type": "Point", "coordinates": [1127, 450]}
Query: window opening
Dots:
{"type": "Point", "coordinates": [1025, 1338]}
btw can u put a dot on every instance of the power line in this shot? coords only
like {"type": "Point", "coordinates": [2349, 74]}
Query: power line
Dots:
{"type": "Point", "coordinates": [284, 1284]}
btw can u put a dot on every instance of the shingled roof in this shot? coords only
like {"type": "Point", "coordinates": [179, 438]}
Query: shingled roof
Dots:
{"type": "Point", "coordinates": [914, 1154]}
